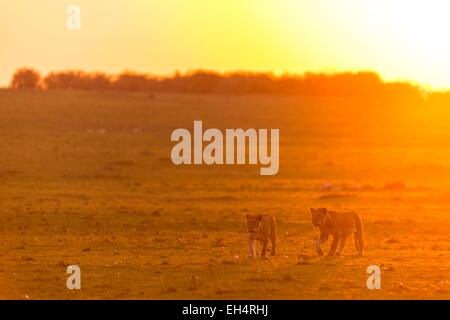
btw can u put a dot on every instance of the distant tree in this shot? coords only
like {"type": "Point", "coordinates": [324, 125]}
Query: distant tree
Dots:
{"type": "Point", "coordinates": [100, 81]}
{"type": "Point", "coordinates": [130, 81]}
{"type": "Point", "coordinates": [26, 78]}
{"type": "Point", "coordinates": [64, 80]}
{"type": "Point", "coordinates": [77, 80]}
{"type": "Point", "coordinates": [364, 84]}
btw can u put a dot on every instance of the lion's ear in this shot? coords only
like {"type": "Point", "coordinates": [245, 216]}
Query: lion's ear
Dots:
{"type": "Point", "coordinates": [247, 216]}
{"type": "Point", "coordinates": [313, 210]}
{"type": "Point", "coordinates": [259, 216]}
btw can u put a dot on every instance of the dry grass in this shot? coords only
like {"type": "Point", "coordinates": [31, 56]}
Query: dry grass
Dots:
{"type": "Point", "coordinates": [86, 178]}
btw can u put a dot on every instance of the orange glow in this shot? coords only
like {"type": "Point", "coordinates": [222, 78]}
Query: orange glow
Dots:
{"type": "Point", "coordinates": [399, 39]}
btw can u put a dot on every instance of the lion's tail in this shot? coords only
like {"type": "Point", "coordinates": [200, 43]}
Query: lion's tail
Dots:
{"type": "Point", "coordinates": [359, 241]}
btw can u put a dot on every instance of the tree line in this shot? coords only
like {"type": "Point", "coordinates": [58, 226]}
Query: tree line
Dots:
{"type": "Point", "coordinates": [358, 84]}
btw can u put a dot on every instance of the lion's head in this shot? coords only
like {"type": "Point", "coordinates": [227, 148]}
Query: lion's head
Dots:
{"type": "Point", "coordinates": [318, 216]}
{"type": "Point", "coordinates": [253, 221]}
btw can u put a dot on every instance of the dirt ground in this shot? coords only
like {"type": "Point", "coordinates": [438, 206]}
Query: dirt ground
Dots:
{"type": "Point", "coordinates": [86, 179]}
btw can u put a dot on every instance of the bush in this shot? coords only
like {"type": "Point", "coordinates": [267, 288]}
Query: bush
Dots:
{"type": "Point", "coordinates": [26, 78]}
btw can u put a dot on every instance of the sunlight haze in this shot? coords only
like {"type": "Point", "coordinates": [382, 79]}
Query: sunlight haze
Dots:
{"type": "Point", "coordinates": [401, 40]}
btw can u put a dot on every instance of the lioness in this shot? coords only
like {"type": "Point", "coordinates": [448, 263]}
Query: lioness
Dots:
{"type": "Point", "coordinates": [340, 225]}
{"type": "Point", "coordinates": [261, 227]}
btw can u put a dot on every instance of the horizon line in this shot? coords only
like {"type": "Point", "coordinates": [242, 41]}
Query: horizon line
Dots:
{"type": "Point", "coordinates": [273, 75]}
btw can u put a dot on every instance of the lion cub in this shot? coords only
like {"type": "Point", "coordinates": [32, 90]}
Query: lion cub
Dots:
{"type": "Point", "coordinates": [261, 227]}
{"type": "Point", "coordinates": [340, 225]}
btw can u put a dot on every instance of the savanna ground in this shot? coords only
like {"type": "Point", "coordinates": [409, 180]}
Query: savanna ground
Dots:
{"type": "Point", "coordinates": [86, 179]}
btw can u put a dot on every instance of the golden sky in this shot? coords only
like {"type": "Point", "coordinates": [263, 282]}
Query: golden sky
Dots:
{"type": "Point", "coordinates": [401, 39]}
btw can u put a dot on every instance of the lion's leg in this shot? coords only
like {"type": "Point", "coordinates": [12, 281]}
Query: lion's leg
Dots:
{"type": "Point", "coordinates": [359, 243]}
{"type": "Point", "coordinates": [264, 243]}
{"type": "Point", "coordinates": [251, 247]}
{"type": "Point", "coordinates": [341, 245]}
{"type": "Point", "coordinates": [323, 238]}
{"type": "Point", "coordinates": [274, 245]}
{"type": "Point", "coordinates": [334, 245]}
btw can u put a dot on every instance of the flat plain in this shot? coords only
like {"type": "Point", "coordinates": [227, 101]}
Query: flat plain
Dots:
{"type": "Point", "coordinates": [86, 178]}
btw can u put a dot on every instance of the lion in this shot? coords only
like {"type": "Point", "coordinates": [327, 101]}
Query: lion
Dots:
{"type": "Point", "coordinates": [261, 227]}
{"type": "Point", "coordinates": [340, 225]}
